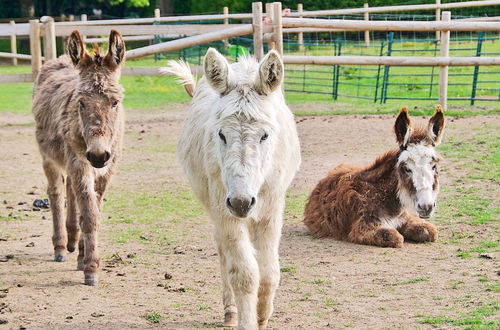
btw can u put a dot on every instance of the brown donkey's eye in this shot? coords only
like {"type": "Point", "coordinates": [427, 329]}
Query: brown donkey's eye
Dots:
{"type": "Point", "coordinates": [115, 104]}
{"type": "Point", "coordinates": [81, 105]}
{"type": "Point", "coordinates": [407, 170]}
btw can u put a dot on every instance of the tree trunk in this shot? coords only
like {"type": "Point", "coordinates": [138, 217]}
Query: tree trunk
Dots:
{"type": "Point", "coordinates": [27, 8]}
{"type": "Point", "coordinates": [166, 6]}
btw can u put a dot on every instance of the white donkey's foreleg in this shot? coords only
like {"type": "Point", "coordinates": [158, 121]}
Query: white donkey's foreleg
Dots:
{"type": "Point", "coordinates": [241, 269]}
{"type": "Point", "coordinates": [230, 310]}
{"type": "Point", "coordinates": [267, 235]}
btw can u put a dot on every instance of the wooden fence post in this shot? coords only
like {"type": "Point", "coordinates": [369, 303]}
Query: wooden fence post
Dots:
{"type": "Point", "coordinates": [258, 47]}
{"type": "Point", "coordinates": [83, 18]}
{"type": "Point", "coordinates": [367, 32]}
{"type": "Point", "coordinates": [300, 36]}
{"type": "Point", "coordinates": [269, 19]}
{"type": "Point", "coordinates": [49, 38]}
{"type": "Point", "coordinates": [35, 49]}
{"type": "Point", "coordinates": [443, 70]}
{"type": "Point", "coordinates": [225, 12]}
{"type": "Point", "coordinates": [438, 18]}
{"type": "Point", "coordinates": [278, 28]}
{"type": "Point", "coordinates": [13, 43]}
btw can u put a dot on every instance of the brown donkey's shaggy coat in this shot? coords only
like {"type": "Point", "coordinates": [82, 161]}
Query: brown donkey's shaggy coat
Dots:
{"type": "Point", "coordinates": [374, 205]}
{"type": "Point", "coordinates": [79, 130]}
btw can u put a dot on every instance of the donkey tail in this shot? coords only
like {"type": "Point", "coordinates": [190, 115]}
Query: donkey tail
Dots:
{"type": "Point", "coordinates": [182, 71]}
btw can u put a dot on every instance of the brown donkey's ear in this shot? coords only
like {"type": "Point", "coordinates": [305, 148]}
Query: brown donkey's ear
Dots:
{"type": "Point", "coordinates": [402, 127]}
{"type": "Point", "coordinates": [436, 126]}
{"type": "Point", "coordinates": [76, 49]}
{"type": "Point", "coordinates": [116, 52]}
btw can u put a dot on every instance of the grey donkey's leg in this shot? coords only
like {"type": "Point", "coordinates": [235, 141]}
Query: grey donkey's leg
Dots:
{"type": "Point", "coordinates": [72, 225]}
{"type": "Point", "coordinates": [55, 191]}
{"type": "Point", "coordinates": [83, 184]}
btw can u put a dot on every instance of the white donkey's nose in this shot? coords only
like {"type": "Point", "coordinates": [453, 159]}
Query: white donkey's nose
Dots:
{"type": "Point", "coordinates": [240, 205]}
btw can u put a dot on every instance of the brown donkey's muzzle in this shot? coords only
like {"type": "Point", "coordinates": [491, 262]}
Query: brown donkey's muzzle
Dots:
{"type": "Point", "coordinates": [98, 160]}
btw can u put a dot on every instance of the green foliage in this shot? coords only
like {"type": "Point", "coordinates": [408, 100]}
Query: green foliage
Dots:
{"type": "Point", "coordinates": [128, 3]}
{"type": "Point", "coordinates": [154, 317]}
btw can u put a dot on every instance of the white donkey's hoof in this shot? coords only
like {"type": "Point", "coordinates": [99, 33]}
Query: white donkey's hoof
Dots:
{"type": "Point", "coordinates": [231, 319]}
{"type": "Point", "coordinates": [60, 257]}
{"type": "Point", "coordinates": [91, 279]}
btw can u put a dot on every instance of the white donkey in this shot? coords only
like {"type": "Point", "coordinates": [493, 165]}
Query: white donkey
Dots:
{"type": "Point", "coordinates": [240, 150]}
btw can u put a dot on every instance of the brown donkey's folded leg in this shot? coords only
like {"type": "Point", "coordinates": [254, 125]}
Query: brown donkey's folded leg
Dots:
{"type": "Point", "coordinates": [374, 234]}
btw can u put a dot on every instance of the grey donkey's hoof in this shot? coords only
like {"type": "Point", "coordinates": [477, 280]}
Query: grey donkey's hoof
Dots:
{"type": "Point", "coordinates": [60, 257]}
{"type": "Point", "coordinates": [231, 319]}
{"type": "Point", "coordinates": [91, 279]}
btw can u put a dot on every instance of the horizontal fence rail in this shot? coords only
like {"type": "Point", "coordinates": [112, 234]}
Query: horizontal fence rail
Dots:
{"type": "Point", "coordinates": [391, 60]}
{"type": "Point", "coordinates": [357, 25]}
{"type": "Point", "coordinates": [190, 41]}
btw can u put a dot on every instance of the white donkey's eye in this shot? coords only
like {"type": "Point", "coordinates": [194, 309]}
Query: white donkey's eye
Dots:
{"type": "Point", "coordinates": [264, 137]}
{"type": "Point", "coordinates": [222, 137]}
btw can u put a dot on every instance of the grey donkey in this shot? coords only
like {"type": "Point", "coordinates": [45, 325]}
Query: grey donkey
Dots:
{"type": "Point", "coordinates": [77, 105]}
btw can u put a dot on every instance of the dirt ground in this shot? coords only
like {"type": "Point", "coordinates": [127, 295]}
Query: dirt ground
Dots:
{"type": "Point", "coordinates": [324, 283]}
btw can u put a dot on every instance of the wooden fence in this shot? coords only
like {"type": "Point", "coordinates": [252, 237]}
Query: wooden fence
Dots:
{"type": "Point", "coordinates": [270, 29]}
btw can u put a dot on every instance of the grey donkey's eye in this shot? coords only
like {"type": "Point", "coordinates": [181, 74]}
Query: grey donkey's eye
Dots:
{"type": "Point", "coordinates": [264, 137]}
{"type": "Point", "coordinates": [81, 105]}
{"type": "Point", "coordinates": [222, 137]}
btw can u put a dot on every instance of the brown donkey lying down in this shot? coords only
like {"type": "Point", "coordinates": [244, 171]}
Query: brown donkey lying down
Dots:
{"type": "Point", "coordinates": [79, 130]}
{"type": "Point", "coordinates": [378, 204]}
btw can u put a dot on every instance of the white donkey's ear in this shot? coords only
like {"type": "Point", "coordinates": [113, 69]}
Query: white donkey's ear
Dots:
{"type": "Point", "coordinates": [217, 71]}
{"type": "Point", "coordinates": [271, 73]}
{"type": "Point", "coordinates": [436, 126]}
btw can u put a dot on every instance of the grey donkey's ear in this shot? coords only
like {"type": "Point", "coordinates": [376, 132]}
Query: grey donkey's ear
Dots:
{"type": "Point", "coordinates": [402, 127]}
{"type": "Point", "coordinates": [436, 126]}
{"type": "Point", "coordinates": [217, 71]}
{"type": "Point", "coordinates": [76, 49]}
{"type": "Point", "coordinates": [271, 72]}
{"type": "Point", "coordinates": [116, 52]}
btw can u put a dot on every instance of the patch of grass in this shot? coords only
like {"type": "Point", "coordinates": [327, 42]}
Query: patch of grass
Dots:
{"type": "Point", "coordinates": [321, 282]}
{"type": "Point", "coordinates": [294, 206]}
{"type": "Point", "coordinates": [153, 317]}
{"type": "Point", "coordinates": [475, 319]}
{"type": "Point", "coordinates": [455, 284]}
{"type": "Point", "coordinates": [493, 288]}
{"type": "Point", "coordinates": [288, 269]}
{"type": "Point", "coordinates": [203, 307]}
{"type": "Point", "coordinates": [412, 281]}
{"type": "Point", "coordinates": [152, 93]}
{"type": "Point", "coordinates": [329, 302]}
{"type": "Point", "coordinates": [148, 207]}
{"type": "Point", "coordinates": [488, 246]}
